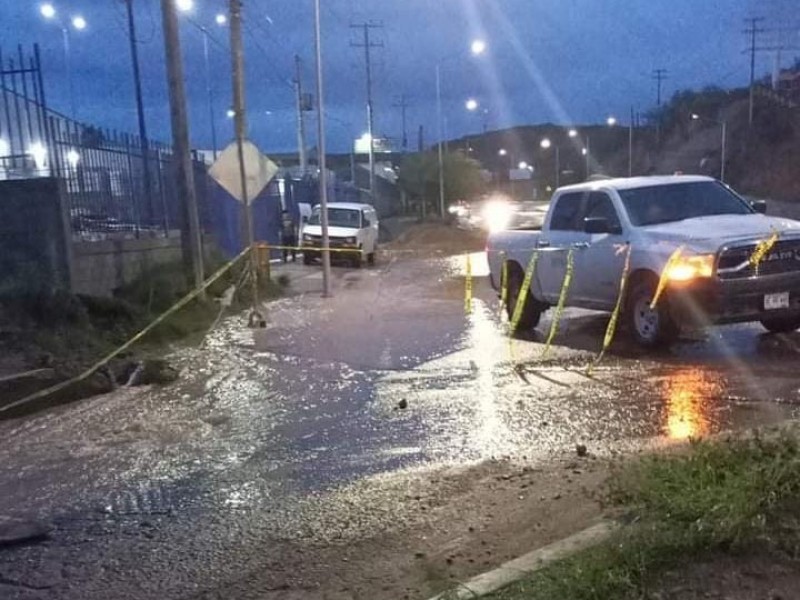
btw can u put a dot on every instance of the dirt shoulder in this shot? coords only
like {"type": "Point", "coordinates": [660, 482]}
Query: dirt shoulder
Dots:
{"type": "Point", "coordinates": [450, 525]}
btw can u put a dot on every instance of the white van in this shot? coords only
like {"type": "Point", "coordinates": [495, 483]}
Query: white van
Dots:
{"type": "Point", "coordinates": [350, 226]}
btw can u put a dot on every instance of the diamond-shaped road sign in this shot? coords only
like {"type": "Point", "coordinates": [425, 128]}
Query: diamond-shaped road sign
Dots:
{"type": "Point", "coordinates": [259, 170]}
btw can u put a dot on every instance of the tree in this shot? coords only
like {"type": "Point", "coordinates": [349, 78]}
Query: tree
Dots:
{"type": "Point", "coordinates": [419, 177]}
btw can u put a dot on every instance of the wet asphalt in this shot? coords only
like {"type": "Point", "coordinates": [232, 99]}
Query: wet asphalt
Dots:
{"type": "Point", "coordinates": [292, 437]}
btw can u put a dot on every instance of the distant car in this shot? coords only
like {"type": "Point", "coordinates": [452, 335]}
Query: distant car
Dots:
{"type": "Point", "coordinates": [351, 226]}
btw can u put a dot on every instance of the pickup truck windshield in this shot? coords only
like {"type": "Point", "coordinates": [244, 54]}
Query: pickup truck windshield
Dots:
{"type": "Point", "coordinates": [339, 217]}
{"type": "Point", "coordinates": [677, 202]}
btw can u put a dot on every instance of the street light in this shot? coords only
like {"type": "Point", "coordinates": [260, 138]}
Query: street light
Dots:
{"type": "Point", "coordinates": [502, 152]}
{"type": "Point", "coordinates": [471, 104]}
{"type": "Point", "coordinates": [523, 165]}
{"type": "Point", "coordinates": [724, 125]}
{"type": "Point", "coordinates": [611, 121]}
{"type": "Point", "coordinates": [477, 48]}
{"type": "Point", "coordinates": [573, 133]}
{"type": "Point", "coordinates": [49, 12]}
{"type": "Point", "coordinates": [221, 20]}
{"type": "Point", "coordinates": [546, 144]}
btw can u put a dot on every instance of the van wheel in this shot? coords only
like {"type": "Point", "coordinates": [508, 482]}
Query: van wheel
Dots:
{"type": "Point", "coordinates": [306, 259]}
{"type": "Point", "coordinates": [532, 309]}
{"type": "Point", "coordinates": [358, 261]}
{"type": "Point", "coordinates": [371, 258]}
{"type": "Point", "coordinates": [650, 328]}
{"type": "Point", "coordinates": [781, 324]}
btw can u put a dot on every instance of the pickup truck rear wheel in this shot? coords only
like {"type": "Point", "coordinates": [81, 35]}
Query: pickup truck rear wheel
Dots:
{"type": "Point", "coordinates": [650, 328]}
{"type": "Point", "coordinates": [781, 324]}
{"type": "Point", "coordinates": [531, 311]}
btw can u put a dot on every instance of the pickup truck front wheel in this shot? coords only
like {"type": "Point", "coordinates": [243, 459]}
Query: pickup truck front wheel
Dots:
{"type": "Point", "coordinates": [650, 327]}
{"type": "Point", "coordinates": [531, 311]}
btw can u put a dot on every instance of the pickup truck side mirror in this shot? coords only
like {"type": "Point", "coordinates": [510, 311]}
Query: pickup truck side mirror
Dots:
{"type": "Point", "coordinates": [597, 225]}
{"type": "Point", "coordinates": [760, 206]}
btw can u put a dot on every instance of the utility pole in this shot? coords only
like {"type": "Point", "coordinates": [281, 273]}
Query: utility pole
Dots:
{"type": "Point", "coordinates": [137, 83]}
{"type": "Point", "coordinates": [368, 45]}
{"type": "Point", "coordinates": [403, 105]}
{"type": "Point", "coordinates": [301, 120]}
{"type": "Point", "coordinates": [184, 170]}
{"type": "Point", "coordinates": [240, 126]}
{"type": "Point", "coordinates": [753, 32]}
{"type": "Point", "coordinates": [630, 144]}
{"type": "Point", "coordinates": [421, 139]}
{"type": "Point", "coordinates": [322, 159]}
{"type": "Point", "coordinates": [659, 75]}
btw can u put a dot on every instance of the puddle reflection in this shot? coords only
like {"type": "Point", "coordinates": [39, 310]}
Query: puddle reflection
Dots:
{"type": "Point", "coordinates": [692, 396]}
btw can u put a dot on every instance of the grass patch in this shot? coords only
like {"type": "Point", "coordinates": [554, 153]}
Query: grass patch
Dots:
{"type": "Point", "coordinates": [722, 496]}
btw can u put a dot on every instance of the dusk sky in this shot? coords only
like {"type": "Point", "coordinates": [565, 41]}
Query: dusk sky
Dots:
{"type": "Point", "coordinates": [564, 61]}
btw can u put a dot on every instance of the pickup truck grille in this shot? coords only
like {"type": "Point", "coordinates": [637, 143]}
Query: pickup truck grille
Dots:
{"type": "Point", "coordinates": [784, 258]}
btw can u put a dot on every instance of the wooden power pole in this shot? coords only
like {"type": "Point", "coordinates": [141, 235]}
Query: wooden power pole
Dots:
{"type": "Point", "coordinates": [184, 170]}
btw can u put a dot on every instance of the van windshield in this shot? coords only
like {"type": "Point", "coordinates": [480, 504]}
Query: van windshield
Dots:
{"type": "Point", "coordinates": [680, 201]}
{"type": "Point", "coordinates": [338, 217]}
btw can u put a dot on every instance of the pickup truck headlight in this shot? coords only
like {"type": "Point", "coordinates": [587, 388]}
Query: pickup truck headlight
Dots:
{"type": "Point", "coordinates": [308, 238]}
{"type": "Point", "coordinates": [692, 267]}
{"type": "Point", "coordinates": [351, 240]}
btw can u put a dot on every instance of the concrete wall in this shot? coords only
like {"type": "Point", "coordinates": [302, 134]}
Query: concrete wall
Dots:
{"type": "Point", "coordinates": [100, 267]}
{"type": "Point", "coordinates": [33, 234]}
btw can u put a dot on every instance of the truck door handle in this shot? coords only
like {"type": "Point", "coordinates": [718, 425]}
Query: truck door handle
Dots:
{"type": "Point", "coordinates": [580, 245]}
{"type": "Point", "coordinates": [543, 244]}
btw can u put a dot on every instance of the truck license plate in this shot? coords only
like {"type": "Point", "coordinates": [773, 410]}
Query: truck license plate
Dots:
{"type": "Point", "coordinates": [776, 301]}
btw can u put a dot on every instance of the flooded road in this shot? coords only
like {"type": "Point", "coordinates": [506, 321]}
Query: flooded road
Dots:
{"type": "Point", "coordinates": [380, 443]}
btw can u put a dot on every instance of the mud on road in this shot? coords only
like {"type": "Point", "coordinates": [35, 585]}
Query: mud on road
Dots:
{"type": "Point", "coordinates": [377, 444]}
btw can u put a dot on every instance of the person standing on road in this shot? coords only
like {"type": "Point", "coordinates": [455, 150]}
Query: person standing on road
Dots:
{"type": "Point", "coordinates": [288, 236]}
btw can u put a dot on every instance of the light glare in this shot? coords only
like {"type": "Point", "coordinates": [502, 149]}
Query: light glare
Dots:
{"type": "Point", "coordinates": [79, 23]}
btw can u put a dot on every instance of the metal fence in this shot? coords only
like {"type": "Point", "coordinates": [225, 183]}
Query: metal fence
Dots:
{"type": "Point", "coordinates": [114, 183]}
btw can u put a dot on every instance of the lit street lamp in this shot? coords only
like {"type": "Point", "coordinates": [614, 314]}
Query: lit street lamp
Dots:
{"type": "Point", "coordinates": [471, 105]}
{"type": "Point", "coordinates": [612, 122]}
{"type": "Point", "coordinates": [724, 125]}
{"type": "Point", "coordinates": [187, 6]}
{"type": "Point", "coordinates": [573, 133]}
{"type": "Point", "coordinates": [478, 47]}
{"type": "Point", "coordinates": [546, 144]}
{"type": "Point", "coordinates": [77, 22]}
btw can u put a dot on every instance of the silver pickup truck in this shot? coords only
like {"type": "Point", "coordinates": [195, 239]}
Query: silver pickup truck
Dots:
{"type": "Point", "coordinates": [714, 281]}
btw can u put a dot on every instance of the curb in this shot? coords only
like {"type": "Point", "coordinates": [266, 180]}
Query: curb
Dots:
{"type": "Point", "coordinates": [525, 565]}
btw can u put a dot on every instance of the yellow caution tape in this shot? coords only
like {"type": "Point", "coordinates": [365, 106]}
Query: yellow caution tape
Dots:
{"type": "Point", "coordinates": [763, 248]}
{"type": "Point", "coordinates": [612, 324]}
{"type": "Point", "coordinates": [662, 281]}
{"type": "Point", "coordinates": [468, 287]}
{"type": "Point", "coordinates": [562, 300]}
{"type": "Point", "coordinates": [503, 283]}
{"type": "Point", "coordinates": [102, 362]}
{"type": "Point", "coordinates": [523, 292]}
